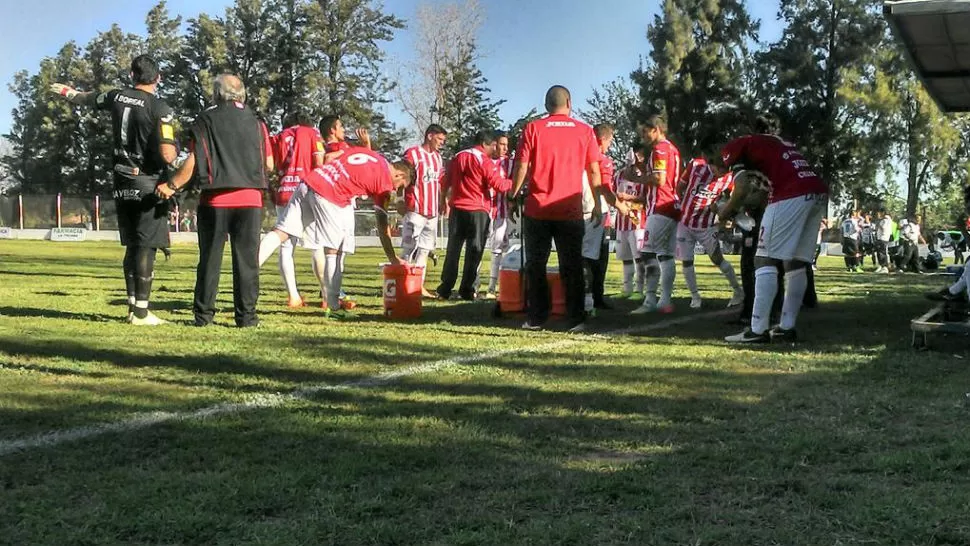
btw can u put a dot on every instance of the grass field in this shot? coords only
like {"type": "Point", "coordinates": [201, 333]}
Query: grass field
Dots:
{"type": "Point", "coordinates": [462, 429]}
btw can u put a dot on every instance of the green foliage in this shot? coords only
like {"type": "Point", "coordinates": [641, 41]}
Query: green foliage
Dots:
{"type": "Point", "coordinates": [695, 71]}
{"type": "Point", "coordinates": [465, 107]}
{"type": "Point", "coordinates": [615, 103]}
{"type": "Point", "coordinates": [318, 56]}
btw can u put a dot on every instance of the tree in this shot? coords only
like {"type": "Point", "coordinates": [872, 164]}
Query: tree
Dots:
{"type": "Point", "coordinates": [615, 103]}
{"type": "Point", "coordinates": [803, 73]}
{"type": "Point", "coordinates": [464, 108]}
{"type": "Point", "coordinates": [695, 68]}
{"type": "Point", "coordinates": [444, 33]}
{"type": "Point", "coordinates": [899, 120]}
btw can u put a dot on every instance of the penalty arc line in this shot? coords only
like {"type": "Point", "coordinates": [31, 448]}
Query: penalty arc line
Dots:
{"type": "Point", "coordinates": [147, 420]}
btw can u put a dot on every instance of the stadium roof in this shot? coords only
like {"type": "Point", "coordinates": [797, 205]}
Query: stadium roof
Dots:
{"type": "Point", "coordinates": [936, 36]}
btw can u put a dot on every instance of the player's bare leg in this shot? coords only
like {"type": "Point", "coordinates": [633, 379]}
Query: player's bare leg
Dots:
{"type": "Point", "coordinates": [420, 259]}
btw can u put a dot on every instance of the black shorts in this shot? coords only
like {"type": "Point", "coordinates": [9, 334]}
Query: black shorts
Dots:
{"type": "Point", "coordinates": [850, 247]}
{"type": "Point", "coordinates": [142, 216]}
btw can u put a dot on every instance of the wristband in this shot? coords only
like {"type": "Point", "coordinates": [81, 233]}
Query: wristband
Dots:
{"type": "Point", "coordinates": [170, 185]}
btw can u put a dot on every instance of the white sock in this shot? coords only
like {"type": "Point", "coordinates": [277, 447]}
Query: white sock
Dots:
{"type": "Point", "coordinates": [421, 260]}
{"type": "Point", "coordinates": [728, 270]}
{"type": "Point", "coordinates": [338, 277]}
{"type": "Point", "coordinates": [796, 283]}
{"type": "Point", "coordinates": [641, 276]}
{"type": "Point", "coordinates": [629, 270]}
{"type": "Point", "coordinates": [331, 273]}
{"type": "Point", "coordinates": [690, 277]}
{"type": "Point", "coordinates": [271, 241]}
{"type": "Point", "coordinates": [668, 272]}
{"type": "Point", "coordinates": [651, 276]}
{"type": "Point", "coordinates": [320, 270]}
{"type": "Point", "coordinates": [141, 304]}
{"type": "Point", "coordinates": [493, 278]}
{"type": "Point", "coordinates": [765, 290]}
{"type": "Point", "coordinates": [131, 300]}
{"type": "Point", "coordinates": [589, 302]}
{"type": "Point", "coordinates": [288, 268]}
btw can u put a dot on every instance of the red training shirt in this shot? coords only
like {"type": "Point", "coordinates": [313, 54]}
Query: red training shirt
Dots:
{"type": "Point", "coordinates": [360, 171]}
{"type": "Point", "coordinates": [662, 199]}
{"type": "Point", "coordinates": [472, 176]}
{"type": "Point", "coordinates": [296, 151]}
{"type": "Point", "coordinates": [786, 168]}
{"type": "Point", "coordinates": [558, 150]}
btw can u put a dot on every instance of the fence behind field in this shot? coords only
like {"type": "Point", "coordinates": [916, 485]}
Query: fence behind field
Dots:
{"type": "Point", "coordinates": [98, 213]}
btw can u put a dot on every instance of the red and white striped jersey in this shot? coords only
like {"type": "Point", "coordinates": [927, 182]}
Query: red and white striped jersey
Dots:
{"type": "Point", "coordinates": [704, 188]}
{"type": "Point", "coordinates": [423, 196]}
{"type": "Point", "coordinates": [665, 161]}
{"type": "Point", "coordinates": [500, 202]}
{"type": "Point", "coordinates": [625, 223]}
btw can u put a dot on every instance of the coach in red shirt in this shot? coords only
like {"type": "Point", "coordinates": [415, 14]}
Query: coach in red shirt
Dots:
{"type": "Point", "coordinates": [467, 200]}
{"type": "Point", "coordinates": [554, 153]}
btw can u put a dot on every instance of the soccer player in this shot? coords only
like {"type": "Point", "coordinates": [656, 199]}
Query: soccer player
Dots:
{"type": "Point", "coordinates": [335, 137]}
{"type": "Point", "coordinates": [594, 238]}
{"type": "Point", "coordinates": [796, 204]}
{"type": "Point", "coordinates": [499, 236]}
{"type": "Point", "coordinates": [867, 239]}
{"type": "Point", "coordinates": [325, 199]}
{"type": "Point", "coordinates": [144, 149]}
{"type": "Point", "coordinates": [298, 150]}
{"type": "Point", "coordinates": [851, 232]}
{"type": "Point", "coordinates": [422, 199]}
{"type": "Point", "coordinates": [630, 229]}
{"type": "Point", "coordinates": [466, 200]}
{"type": "Point", "coordinates": [700, 188]}
{"type": "Point", "coordinates": [660, 175]}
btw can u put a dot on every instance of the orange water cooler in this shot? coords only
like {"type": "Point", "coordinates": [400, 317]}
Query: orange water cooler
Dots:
{"type": "Point", "coordinates": [402, 291]}
{"type": "Point", "coordinates": [511, 295]}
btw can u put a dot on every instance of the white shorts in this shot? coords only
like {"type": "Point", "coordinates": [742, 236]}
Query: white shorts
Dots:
{"type": "Point", "coordinates": [688, 238]}
{"type": "Point", "coordinates": [593, 238]}
{"type": "Point", "coordinates": [417, 232]}
{"type": "Point", "coordinates": [318, 222]}
{"type": "Point", "coordinates": [660, 237]}
{"type": "Point", "coordinates": [789, 228]}
{"type": "Point", "coordinates": [628, 244]}
{"type": "Point", "coordinates": [498, 238]}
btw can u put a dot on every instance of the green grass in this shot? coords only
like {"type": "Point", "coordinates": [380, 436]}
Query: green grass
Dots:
{"type": "Point", "coordinates": [668, 436]}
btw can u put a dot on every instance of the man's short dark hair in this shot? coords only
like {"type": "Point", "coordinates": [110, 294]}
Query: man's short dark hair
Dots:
{"type": "Point", "coordinates": [603, 130]}
{"type": "Point", "coordinates": [328, 123]}
{"type": "Point", "coordinates": [485, 137]}
{"type": "Point", "coordinates": [144, 70]}
{"type": "Point", "coordinates": [407, 168]}
{"type": "Point", "coordinates": [434, 129]}
{"type": "Point", "coordinates": [656, 121]}
{"type": "Point", "coordinates": [557, 98]}
{"type": "Point", "coordinates": [500, 134]}
{"type": "Point", "coordinates": [766, 124]}
{"type": "Point", "coordinates": [298, 117]}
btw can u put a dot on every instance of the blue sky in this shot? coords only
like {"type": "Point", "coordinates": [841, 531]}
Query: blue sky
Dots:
{"type": "Point", "coordinates": [529, 45]}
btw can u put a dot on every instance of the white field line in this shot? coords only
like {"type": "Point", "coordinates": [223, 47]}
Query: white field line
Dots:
{"type": "Point", "coordinates": [146, 420]}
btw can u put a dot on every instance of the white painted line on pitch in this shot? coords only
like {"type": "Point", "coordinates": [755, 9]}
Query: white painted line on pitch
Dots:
{"type": "Point", "coordinates": [146, 420]}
